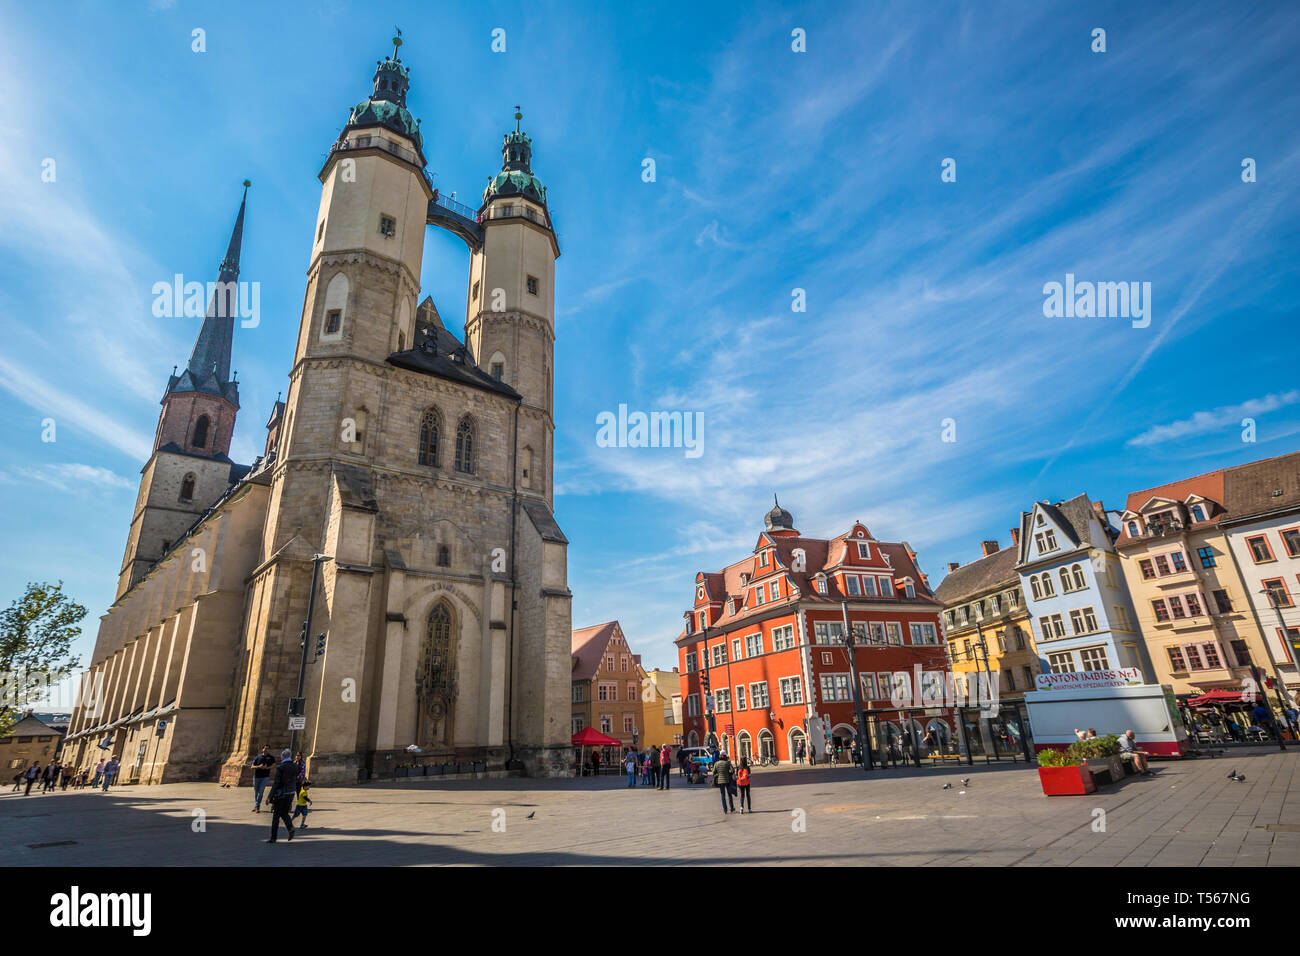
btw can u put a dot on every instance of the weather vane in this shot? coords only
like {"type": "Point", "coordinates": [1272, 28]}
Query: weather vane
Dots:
{"type": "Point", "coordinates": [518, 117]}
{"type": "Point", "coordinates": [397, 41]}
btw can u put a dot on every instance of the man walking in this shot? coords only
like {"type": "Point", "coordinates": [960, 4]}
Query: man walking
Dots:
{"type": "Point", "coordinates": [283, 788]}
{"type": "Point", "coordinates": [665, 766]}
{"type": "Point", "coordinates": [110, 771]}
{"type": "Point", "coordinates": [99, 772]}
{"type": "Point", "coordinates": [263, 764]}
{"type": "Point", "coordinates": [629, 760]}
{"type": "Point", "coordinates": [32, 775]}
{"type": "Point", "coordinates": [722, 780]}
{"type": "Point", "coordinates": [654, 767]}
{"type": "Point", "coordinates": [50, 777]}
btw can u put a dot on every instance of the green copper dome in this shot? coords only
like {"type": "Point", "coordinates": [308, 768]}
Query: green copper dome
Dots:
{"type": "Point", "coordinates": [389, 115]}
{"type": "Point", "coordinates": [516, 177]}
{"type": "Point", "coordinates": [511, 182]}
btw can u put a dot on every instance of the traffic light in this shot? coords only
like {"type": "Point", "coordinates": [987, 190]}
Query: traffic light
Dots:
{"type": "Point", "coordinates": [302, 636]}
{"type": "Point", "coordinates": [320, 644]}
{"type": "Point", "coordinates": [704, 681]}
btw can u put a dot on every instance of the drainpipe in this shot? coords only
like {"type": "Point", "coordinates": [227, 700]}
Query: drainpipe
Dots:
{"type": "Point", "coordinates": [514, 577]}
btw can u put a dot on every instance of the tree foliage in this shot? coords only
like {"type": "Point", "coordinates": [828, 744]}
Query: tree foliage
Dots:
{"type": "Point", "coordinates": [36, 635]}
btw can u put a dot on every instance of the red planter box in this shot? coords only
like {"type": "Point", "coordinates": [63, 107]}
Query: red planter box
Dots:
{"type": "Point", "coordinates": [1066, 781]}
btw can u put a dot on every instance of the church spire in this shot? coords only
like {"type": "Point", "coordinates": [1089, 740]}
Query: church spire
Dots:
{"type": "Point", "coordinates": [208, 369]}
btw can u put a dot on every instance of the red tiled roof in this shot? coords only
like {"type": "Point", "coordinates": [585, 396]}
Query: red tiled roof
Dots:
{"type": "Point", "coordinates": [589, 645]}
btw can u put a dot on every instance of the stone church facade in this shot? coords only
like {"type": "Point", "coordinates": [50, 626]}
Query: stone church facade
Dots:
{"type": "Point", "coordinates": [407, 483]}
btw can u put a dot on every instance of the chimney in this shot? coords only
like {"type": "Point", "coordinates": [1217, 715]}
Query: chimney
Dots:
{"type": "Point", "coordinates": [953, 566]}
{"type": "Point", "coordinates": [989, 547]}
{"type": "Point", "coordinates": [1098, 507]}
{"type": "Point", "coordinates": [1015, 537]}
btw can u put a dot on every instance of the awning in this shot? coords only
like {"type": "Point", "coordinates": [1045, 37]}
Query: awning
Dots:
{"type": "Point", "coordinates": [1220, 697]}
{"type": "Point", "coordinates": [591, 737]}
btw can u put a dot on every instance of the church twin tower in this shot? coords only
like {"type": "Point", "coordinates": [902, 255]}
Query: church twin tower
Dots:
{"type": "Point", "coordinates": [420, 466]}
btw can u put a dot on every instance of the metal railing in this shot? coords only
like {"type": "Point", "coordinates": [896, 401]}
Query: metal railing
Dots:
{"type": "Point", "coordinates": [377, 142]}
{"type": "Point", "coordinates": [459, 208]}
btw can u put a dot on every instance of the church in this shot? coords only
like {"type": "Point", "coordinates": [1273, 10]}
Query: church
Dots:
{"type": "Point", "coordinates": [403, 504]}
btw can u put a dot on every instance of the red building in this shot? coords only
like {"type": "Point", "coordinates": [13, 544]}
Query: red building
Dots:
{"type": "Point", "coordinates": [767, 636]}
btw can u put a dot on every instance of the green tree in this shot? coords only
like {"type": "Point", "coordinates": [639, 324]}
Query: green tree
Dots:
{"type": "Point", "coordinates": [36, 634]}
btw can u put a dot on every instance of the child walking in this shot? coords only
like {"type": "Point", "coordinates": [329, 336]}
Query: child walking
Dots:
{"type": "Point", "coordinates": [742, 781]}
{"type": "Point", "coordinates": [304, 800]}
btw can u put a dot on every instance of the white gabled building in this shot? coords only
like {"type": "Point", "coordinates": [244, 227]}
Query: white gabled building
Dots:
{"type": "Point", "coordinates": [1079, 605]}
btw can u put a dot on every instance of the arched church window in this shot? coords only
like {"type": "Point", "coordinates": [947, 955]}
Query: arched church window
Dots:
{"type": "Point", "coordinates": [200, 439]}
{"type": "Point", "coordinates": [465, 447]}
{"type": "Point", "coordinates": [436, 680]}
{"type": "Point", "coordinates": [444, 556]}
{"type": "Point", "coordinates": [430, 427]}
{"type": "Point", "coordinates": [187, 488]}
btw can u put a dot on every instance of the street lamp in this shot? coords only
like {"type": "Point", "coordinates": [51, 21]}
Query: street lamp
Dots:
{"type": "Point", "coordinates": [863, 750]}
{"type": "Point", "coordinates": [1277, 675]}
{"type": "Point", "coordinates": [297, 706]}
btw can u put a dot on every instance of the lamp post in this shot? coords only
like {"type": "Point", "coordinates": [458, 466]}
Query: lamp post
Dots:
{"type": "Point", "coordinates": [1288, 700]}
{"type": "Point", "coordinates": [298, 703]}
{"type": "Point", "coordinates": [864, 752]}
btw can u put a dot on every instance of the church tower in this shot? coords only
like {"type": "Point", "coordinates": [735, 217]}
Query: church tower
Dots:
{"type": "Point", "coordinates": [409, 505]}
{"type": "Point", "coordinates": [510, 318]}
{"type": "Point", "coordinates": [190, 467]}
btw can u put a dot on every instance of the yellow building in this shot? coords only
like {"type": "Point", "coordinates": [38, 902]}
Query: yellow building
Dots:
{"type": "Point", "coordinates": [661, 700]}
{"type": "Point", "coordinates": [986, 623]}
{"type": "Point", "coordinates": [1193, 609]}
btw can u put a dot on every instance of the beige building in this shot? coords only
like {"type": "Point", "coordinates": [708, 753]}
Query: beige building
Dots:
{"type": "Point", "coordinates": [1192, 606]}
{"type": "Point", "coordinates": [406, 485]}
{"type": "Point", "coordinates": [30, 740]}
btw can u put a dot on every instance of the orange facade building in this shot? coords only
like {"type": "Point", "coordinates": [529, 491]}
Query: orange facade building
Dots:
{"type": "Point", "coordinates": [764, 648]}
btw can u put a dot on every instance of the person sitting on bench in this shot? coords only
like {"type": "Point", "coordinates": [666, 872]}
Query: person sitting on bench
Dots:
{"type": "Point", "coordinates": [1128, 751]}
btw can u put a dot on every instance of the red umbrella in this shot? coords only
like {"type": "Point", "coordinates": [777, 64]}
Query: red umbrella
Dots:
{"type": "Point", "coordinates": [591, 737]}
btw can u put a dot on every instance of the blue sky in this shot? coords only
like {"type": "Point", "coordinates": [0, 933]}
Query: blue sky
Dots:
{"type": "Point", "coordinates": [775, 171]}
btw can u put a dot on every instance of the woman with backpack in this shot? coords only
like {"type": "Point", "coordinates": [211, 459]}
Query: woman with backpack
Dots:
{"type": "Point", "coordinates": [722, 780]}
{"type": "Point", "coordinates": [742, 783]}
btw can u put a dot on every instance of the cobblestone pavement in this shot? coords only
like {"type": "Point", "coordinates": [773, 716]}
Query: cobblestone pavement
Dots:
{"type": "Point", "coordinates": [1188, 814]}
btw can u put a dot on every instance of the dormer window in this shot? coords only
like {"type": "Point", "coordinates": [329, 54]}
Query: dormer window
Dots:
{"type": "Point", "coordinates": [762, 559]}
{"type": "Point", "coordinates": [1132, 529]}
{"type": "Point", "coordinates": [864, 550]}
{"type": "Point", "coordinates": [909, 590]}
{"type": "Point", "coordinates": [1198, 513]}
{"type": "Point", "coordinates": [821, 585]}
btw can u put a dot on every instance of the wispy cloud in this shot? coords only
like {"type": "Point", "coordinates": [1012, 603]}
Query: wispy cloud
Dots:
{"type": "Point", "coordinates": [1215, 419]}
{"type": "Point", "coordinates": [65, 408]}
{"type": "Point", "coordinates": [66, 477]}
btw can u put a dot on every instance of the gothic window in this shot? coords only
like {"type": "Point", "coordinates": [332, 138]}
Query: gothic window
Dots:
{"type": "Point", "coordinates": [465, 447]}
{"type": "Point", "coordinates": [187, 488]}
{"type": "Point", "coordinates": [436, 680]}
{"type": "Point", "coordinates": [532, 285]}
{"type": "Point", "coordinates": [333, 318]}
{"type": "Point", "coordinates": [444, 556]}
{"type": "Point", "coordinates": [200, 439]}
{"type": "Point", "coordinates": [430, 427]}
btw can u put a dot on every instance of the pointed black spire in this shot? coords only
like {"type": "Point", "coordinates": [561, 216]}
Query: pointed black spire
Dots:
{"type": "Point", "coordinates": [230, 264]}
{"type": "Point", "coordinates": [208, 369]}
